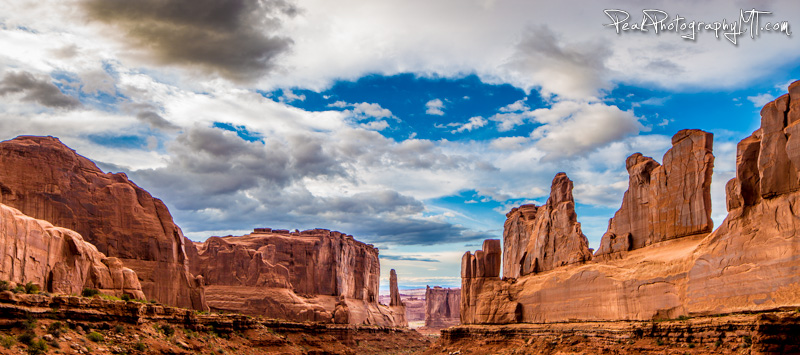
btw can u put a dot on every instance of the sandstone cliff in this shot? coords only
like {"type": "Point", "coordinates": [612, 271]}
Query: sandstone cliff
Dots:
{"type": "Point", "coordinates": [664, 201]}
{"type": "Point", "coordinates": [46, 180]}
{"type": "Point", "coordinates": [442, 307]}
{"type": "Point", "coordinates": [314, 275]}
{"type": "Point", "coordinates": [58, 260]}
{"type": "Point", "coordinates": [748, 264]}
{"type": "Point", "coordinates": [537, 239]}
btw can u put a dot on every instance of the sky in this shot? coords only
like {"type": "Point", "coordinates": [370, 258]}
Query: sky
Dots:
{"type": "Point", "coordinates": [412, 125]}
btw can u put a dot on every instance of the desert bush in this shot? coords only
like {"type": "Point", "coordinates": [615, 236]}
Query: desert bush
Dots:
{"type": "Point", "coordinates": [55, 329]}
{"type": "Point", "coordinates": [90, 292]}
{"type": "Point", "coordinates": [4, 286]}
{"type": "Point", "coordinates": [95, 337]}
{"type": "Point", "coordinates": [26, 338]}
{"type": "Point", "coordinates": [126, 297]}
{"type": "Point", "coordinates": [7, 341]}
{"type": "Point", "coordinates": [37, 347]}
{"type": "Point", "coordinates": [31, 288]}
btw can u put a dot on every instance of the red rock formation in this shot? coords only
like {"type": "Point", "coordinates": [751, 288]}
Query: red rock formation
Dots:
{"type": "Point", "coordinates": [667, 201]}
{"type": "Point", "coordinates": [537, 239]}
{"type": "Point", "coordinates": [484, 298]}
{"type": "Point", "coordinates": [312, 275]}
{"type": "Point", "coordinates": [45, 179]}
{"type": "Point", "coordinates": [394, 292]}
{"type": "Point", "coordinates": [749, 264]}
{"type": "Point", "coordinates": [58, 260]}
{"type": "Point", "coordinates": [442, 307]}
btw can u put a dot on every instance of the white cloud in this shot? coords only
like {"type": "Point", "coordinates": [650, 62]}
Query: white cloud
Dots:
{"type": "Point", "coordinates": [473, 123]}
{"type": "Point", "coordinates": [289, 96]}
{"type": "Point", "coordinates": [434, 107]}
{"type": "Point", "coordinates": [572, 128]}
{"type": "Point", "coordinates": [762, 99]}
{"type": "Point", "coordinates": [517, 106]}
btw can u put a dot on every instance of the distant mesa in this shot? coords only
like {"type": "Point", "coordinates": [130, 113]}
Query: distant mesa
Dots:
{"type": "Point", "coordinates": [313, 275]}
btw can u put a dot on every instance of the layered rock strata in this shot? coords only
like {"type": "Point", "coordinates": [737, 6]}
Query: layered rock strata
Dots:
{"type": "Point", "coordinates": [749, 264]}
{"type": "Point", "coordinates": [666, 201]}
{"type": "Point", "coordinates": [58, 260]}
{"type": "Point", "coordinates": [314, 275]}
{"type": "Point", "coordinates": [541, 238]}
{"type": "Point", "coordinates": [46, 180]}
{"type": "Point", "coordinates": [442, 307]}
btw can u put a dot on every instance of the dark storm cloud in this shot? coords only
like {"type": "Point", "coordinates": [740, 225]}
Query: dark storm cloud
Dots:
{"type": "Point", "coordinates": [36, 89]}
{"type": "Point", "coordinates": [229, 37]}
{"type": "Point", "coordinates": [215, 180]}
{"type": "Point", "coordinates": [155, 120]}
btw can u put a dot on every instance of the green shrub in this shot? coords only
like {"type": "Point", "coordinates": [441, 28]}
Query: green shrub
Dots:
{"type": "Point", "coordinates": [747, 340]}
{"type": "Point", "coordinates": [26, 338]}
{"type": "Point", "coordinates": [55, 329]}
{"type": "Point", "coordinates": [90, 292]}
{"type": "Point", "coordinates": [95, 337]}
{"type": "Point", "coordinates": [167, 330]}
{"type": "Point", "coordinates": [37, 347]}
{"type": "Point", "coordinates": [691, 345]}
{"type": "Point", "coordinates": [119, 328]}
{"type": "Point", "coordinates": [29, 323]}
{"type": "Point", "coordinates": [140, 346]}
{"type": "Point", "coordinates": [717, 343]}
{"type": "Point", "coordinates": [126, 297]}
{"type": "Point", "coordinates": [109, 297]}
{"type": "Point", "coordinates": [4, 285]}
{"type": "Point", "coordinates": [683, 317]}
{"type": "Point", "coordinates": [31, 288]}
{"type": "Point", "coordinates": [659, 342]}
{"type": "Point", "coordinates": [19, 289]}
{"type": "Point", "coordinates": [7, 341]}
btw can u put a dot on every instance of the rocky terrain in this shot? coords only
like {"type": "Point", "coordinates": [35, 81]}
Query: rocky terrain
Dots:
{"type": "Point", "coordinates": [659, 259]}
{"type": "Point", "coordinates": [46, 180]}
{"type": "Point", "coordinates": [39, 323]}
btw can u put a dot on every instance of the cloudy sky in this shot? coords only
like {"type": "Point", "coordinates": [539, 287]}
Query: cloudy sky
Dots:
{"type": "Point", "coordinates": [413, 125]}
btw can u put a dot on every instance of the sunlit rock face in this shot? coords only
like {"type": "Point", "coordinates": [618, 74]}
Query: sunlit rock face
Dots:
{"type": "Point", "coordinates": [660, 258]}
{"type": "Point", "coordinates": [58, 260]}
{"type": "Point", "coordinates": [47, 180]}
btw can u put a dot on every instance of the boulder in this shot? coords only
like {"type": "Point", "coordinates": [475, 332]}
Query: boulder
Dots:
{"type": "Point", "coordinates": [46, 180]}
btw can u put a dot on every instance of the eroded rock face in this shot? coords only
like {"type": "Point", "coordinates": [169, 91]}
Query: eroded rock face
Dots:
{"type": "Point", "coordinates": [442, 307]}
{"type": "Point", "coordinates": [537, 239]}
{"type": "Point", "coordinates": [46, 180]}
{"type": "Point", "coordinates": [748, 264]}
{"type": "Point", "coordinates": [313, 275]}
{"type": "Point", "coordinates": [58, 260]}
{"type": "Point", "coordinates": [484, 297]}
{"type": "Point", "coordinates": [394, 292]}
{"type": "Point", "coordinates": [667, 201]}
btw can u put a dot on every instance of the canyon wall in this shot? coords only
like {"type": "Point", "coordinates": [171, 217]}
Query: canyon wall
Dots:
{"type": "Point", "coordinates": [46, 180]}
{"type": "Point", "coordinates": [314, 275]}
{"type": "Point", "coordinates": [58, 260]}
{"type": "Point", "coordinates": [660, 259]}
{"type": "Point", "coordinates": [442, 307]}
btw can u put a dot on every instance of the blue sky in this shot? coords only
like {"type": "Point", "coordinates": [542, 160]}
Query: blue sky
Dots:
{"type": "Point", "coordinates": [414, 126]}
